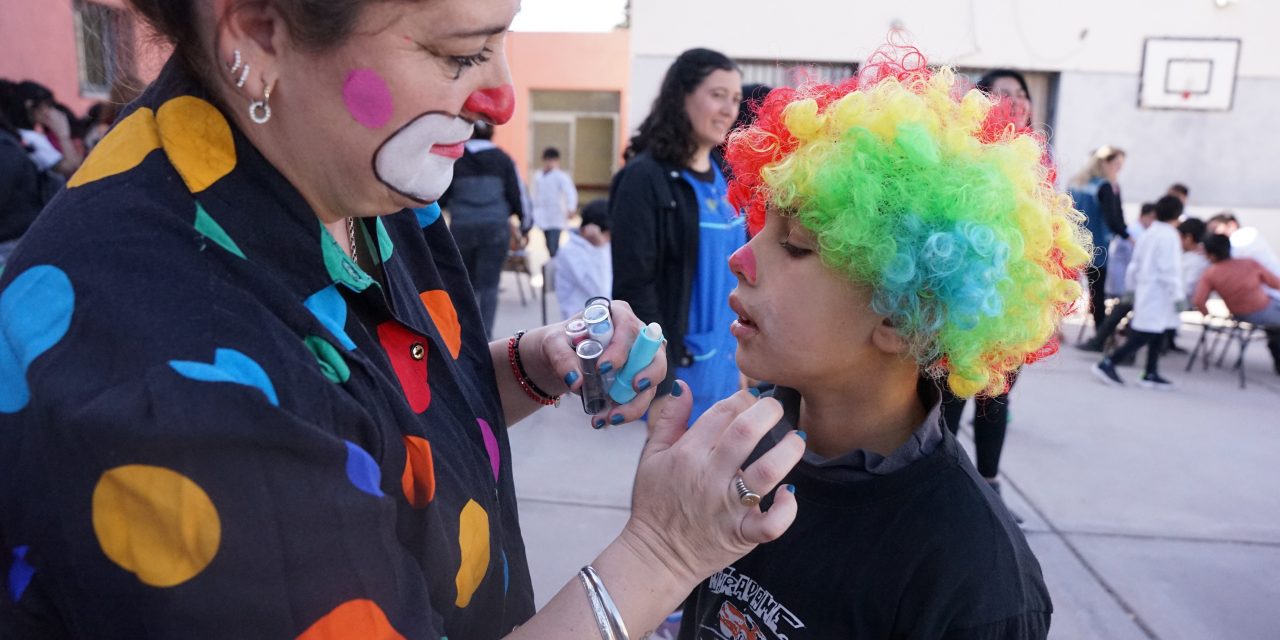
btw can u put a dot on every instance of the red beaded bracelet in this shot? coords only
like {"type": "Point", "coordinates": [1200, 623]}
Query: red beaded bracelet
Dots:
{"type": "Point", "coordinates": [517, 368]}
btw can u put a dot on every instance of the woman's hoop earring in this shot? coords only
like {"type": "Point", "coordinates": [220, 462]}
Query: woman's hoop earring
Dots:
{"type": "Point", "coordinates": [260, 110]}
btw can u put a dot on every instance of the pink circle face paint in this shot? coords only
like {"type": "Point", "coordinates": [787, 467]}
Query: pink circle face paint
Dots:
{"type": "Point", "coordinates": [368, 98]}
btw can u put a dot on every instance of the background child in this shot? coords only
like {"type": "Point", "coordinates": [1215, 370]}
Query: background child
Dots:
{"type": "Point", "coordinates": [584, 266]}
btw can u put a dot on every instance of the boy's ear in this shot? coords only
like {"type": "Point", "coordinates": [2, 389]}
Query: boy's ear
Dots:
{"type": "Point", "coordinates": [886, 338]}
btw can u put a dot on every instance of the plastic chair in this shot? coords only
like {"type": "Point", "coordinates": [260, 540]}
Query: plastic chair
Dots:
{"type": "Point", "coordinates": [517, 262]}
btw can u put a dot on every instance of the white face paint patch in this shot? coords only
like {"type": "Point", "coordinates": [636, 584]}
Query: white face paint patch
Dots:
{"type": "Point", "coordinates": [417, 161]}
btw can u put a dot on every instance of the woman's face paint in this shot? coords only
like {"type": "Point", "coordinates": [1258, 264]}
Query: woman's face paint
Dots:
{"type": "Point", "coordinates": [401, 162]}
{"type": "Point", "coordinates": [743, 263]}
{"type": "Point", "coordinates": [417, 161]}
{"type": "Point", "coordinates": [368, 98]}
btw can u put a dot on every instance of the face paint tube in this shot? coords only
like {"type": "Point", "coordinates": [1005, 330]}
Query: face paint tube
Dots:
{"type": "Point", "coordinates": [602, 332]}
{"type": "Point", "coordinates": [596, 314]}
{"type": "Point", "coordinates": [642, 353]}
{"type": "Point", "coordinates": [594, 398]}
{"type": "Point", "coordinates": [576, 331]}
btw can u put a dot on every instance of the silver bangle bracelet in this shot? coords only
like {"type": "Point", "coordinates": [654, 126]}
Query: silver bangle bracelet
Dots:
{"type": "Point", "coordinates": [614, 615]}
{"type": "Point", "coordinates": [597, 607]}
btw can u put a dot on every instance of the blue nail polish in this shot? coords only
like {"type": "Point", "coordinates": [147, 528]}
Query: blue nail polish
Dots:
{"type": "Point", "coordinates": [643, 384]}
{"type": "Point", "coordinates": [676, 390]}
{"type": "Point", "coordinates": [616, 419]}
{"type": "Point", "coordinates": [606, 368]}
{"type": "Point", "coordinates": [570, 378]}
{"type": "Point", "coordinates": [803, 435]}
{"type": "Point", "coordinates": [754, 391]}
{"type": "Point", "coordinates": [599, 423]}
{"type": "Point", "coordinates": [791, 488]}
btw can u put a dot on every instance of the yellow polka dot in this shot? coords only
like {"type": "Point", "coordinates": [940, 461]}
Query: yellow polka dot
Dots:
{"type": "Point", "coordinates": [198, 141]}
{"type": "Point", "coordinates": [473, 537]}
{"type": "Point", "coordinates": [155, 523]}
{"type": "Point", "coordinates": [122, 149]}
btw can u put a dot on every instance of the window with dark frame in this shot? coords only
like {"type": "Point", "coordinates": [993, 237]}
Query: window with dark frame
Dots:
{"type": "Point", "coordinates": [104, 46]}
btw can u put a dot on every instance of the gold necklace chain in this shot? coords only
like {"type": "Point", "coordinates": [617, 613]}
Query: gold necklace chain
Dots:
{"type": "Point", "coordinates": [351, 236]}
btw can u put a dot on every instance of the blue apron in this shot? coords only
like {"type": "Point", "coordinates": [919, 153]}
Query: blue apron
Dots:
{"type": "Point", "coordinates": [713, 373]}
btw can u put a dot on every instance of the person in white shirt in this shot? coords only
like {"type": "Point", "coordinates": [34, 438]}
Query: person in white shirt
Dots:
{"type": "Point", "coordinates": [1155, 277]}
{"type": "Point", "coordinates": [1246, 242]}
{"type": "Point", "coordinates": [1194, 262]}
{"type": "Point", "coordinates": [555, 198]}
{"type": "Point", "coordinates": [584, 266]}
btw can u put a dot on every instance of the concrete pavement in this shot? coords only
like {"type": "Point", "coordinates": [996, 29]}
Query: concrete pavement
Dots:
{"type": "Point", "coordinates": [1154, 515]}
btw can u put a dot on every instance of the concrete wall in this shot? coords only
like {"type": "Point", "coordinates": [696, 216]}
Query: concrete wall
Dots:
{"type": "Point", "coordinates": [38, 42]}
{"type": "Point", "coordinates": [565, 62]}
{"type": "Point", "coordinates": [1227, 158]}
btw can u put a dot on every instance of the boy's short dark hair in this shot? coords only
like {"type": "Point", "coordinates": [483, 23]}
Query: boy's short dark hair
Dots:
{"type": "Point", "coordinates": [1168, 209]}
{"type": "Point", "coordinates": [1180, 188]}
{"type": "Point", "coordinates": [1148, 208]}
{"type": "Point", "coordinates": [551, 153]}
{"type": "Point", "coordinates": [596, 212]}
{"type": "Point", "coordinates": [1223, 218]}
{"type": "Point", "coordinates": [1193, 228]}
{"type": "Point", "coordinates": [1218, 246]}
{"type": "Point", "coordinates": [482, 131]}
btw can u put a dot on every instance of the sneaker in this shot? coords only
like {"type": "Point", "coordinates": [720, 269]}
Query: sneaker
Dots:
{"type": "Point", "coordinates": [1106, 372]}
{"type": "Point", "coordinates": [1154, 381]}
{"type": "Point", "coordinates": [1093, 345]}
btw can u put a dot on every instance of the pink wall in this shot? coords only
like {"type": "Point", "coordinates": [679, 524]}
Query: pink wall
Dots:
{"type": "Point", "coordinates": [564, 61]}
{"type": "Point", "coordinates": [38, 42]}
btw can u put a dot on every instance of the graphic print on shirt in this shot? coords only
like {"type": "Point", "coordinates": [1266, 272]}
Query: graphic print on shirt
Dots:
{"type": "Point", "coordinates": [749, 611]}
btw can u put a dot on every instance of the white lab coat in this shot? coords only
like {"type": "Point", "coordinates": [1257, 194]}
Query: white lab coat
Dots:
{"type": "Point", "coordinates": [1155, 277]}
{"type": "Point", "coordinates": [554, 196]}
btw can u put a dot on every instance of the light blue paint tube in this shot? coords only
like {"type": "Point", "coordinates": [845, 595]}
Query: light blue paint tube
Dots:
{"type": "Point", "coordinates": [642, 353]}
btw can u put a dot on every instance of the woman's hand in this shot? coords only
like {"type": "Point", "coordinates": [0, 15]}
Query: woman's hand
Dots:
{"type": "Point", "coordinates": [686, 514]}
{"type": "Point", "coordinates": [550, 359]}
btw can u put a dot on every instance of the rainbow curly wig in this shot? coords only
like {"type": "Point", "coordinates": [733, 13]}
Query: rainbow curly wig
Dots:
{"type": "Point", "coordinates": [934, 198]}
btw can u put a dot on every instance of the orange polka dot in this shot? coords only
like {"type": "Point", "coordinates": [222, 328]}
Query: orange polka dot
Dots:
{"type": "Point", "coordinates": [419, 479]}
{"type": "Point", "coordinates": [440, 306]}
{"type": "Point", "coordinates": [362, 619]}
{"type": "Point", "coordinates": [124, 148]}
{"type": "Point", "coordinates": [198, 141]}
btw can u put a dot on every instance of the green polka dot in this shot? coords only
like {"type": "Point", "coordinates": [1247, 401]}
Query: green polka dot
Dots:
{"type": "Point", "coordinates": [210, 228]}
{"type": "Point", "coordinates": [385, 248]}
{"type": "Point", "coordinates": [340, 266]}
{"type": "Point", "coordinates": [330, 360]}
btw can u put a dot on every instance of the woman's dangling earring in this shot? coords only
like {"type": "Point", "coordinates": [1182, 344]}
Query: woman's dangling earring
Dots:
{"type": "Point", "coordinates": [260, 110]}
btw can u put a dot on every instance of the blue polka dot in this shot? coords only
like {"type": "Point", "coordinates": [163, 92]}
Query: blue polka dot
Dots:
{"type": "Point", "coordinates": [330, 309]}
{"type": "Point", "coordinates": [427, 215]}
{"type": "Point", "coordinates": [35, 313]}
{"type": "Point", "coordinates": [362, 470]}
{"type": "Point", "coordinates": [229, 365]}
{"type": "Point", "coordinates": [20, 573]}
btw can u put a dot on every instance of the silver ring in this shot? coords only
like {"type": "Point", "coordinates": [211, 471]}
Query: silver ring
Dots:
{"type": "Point", "coordinates": [747, 497]}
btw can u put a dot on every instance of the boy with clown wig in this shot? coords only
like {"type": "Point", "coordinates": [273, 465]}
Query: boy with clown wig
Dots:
{"type": "Point", "coordinates": [905, 234]}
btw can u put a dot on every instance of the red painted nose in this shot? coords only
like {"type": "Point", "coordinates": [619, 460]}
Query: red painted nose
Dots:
{"type": "Point", "coordinates": [495, 104]}
{"type": "Point", "coordinates": [743, 264]}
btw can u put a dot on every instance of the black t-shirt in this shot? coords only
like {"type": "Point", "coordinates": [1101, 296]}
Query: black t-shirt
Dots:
{"type": "Point", "coordinates": [924, 552]}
